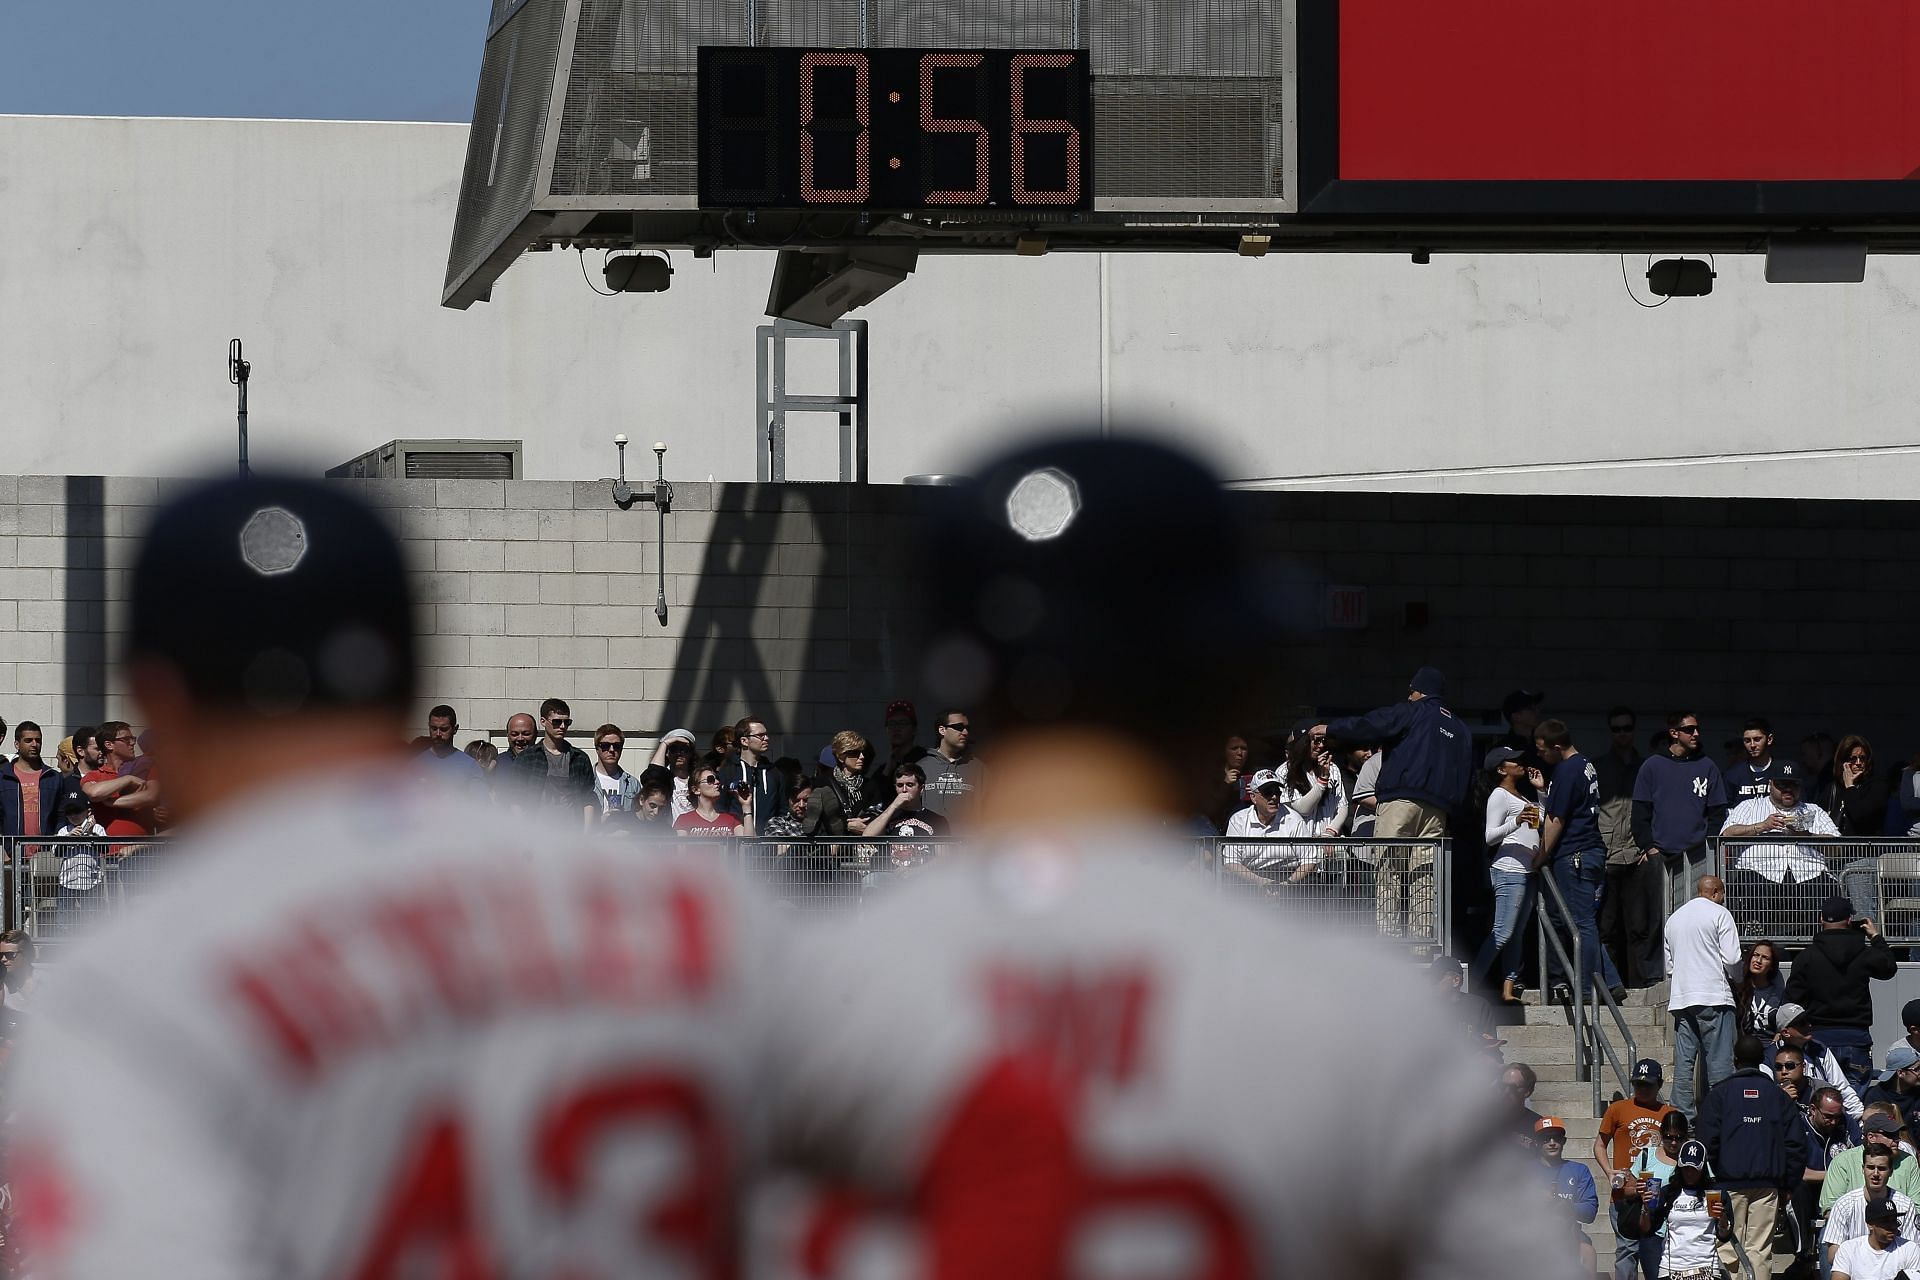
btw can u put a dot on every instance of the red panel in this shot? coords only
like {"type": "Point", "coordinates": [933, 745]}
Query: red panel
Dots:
{"type": "Point", "coordinates": [1629, 90]}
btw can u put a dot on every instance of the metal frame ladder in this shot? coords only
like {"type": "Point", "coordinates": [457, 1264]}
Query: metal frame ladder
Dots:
{"type": "Point", "coordinates": [775, 402]}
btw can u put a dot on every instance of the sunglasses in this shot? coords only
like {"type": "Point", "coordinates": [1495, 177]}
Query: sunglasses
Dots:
{"type": "Point", "coordinates": [962, 727]}
{"type": "Point", "coordinates": [1271, 791]}
{"type": "Point", "coordinates": [612, 746]}
{"type": "Point", "coordinates": [558, 720]}
{"type": "Point", "coordinates": [1688, 728]}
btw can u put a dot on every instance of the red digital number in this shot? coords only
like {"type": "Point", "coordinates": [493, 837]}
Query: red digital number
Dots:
{"type": "Point", "coordinates": [430, 1225]}
{"type": "Point", "coordinates": [862, 159]}
{"type": "Point", "coordinates": [931, 123]}
{"type": "Point", "coordinates": [1022, 126]}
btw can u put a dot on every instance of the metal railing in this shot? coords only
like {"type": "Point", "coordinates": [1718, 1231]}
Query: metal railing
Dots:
{"type": "Point", "coordinates": [59, 885]}
{"type": "Point", "coordinates": [1775, 885]}
{"type": "Point", "coordinates": [1592, 1047]}
{"type": "Point", "coordinates": [1398, 889]}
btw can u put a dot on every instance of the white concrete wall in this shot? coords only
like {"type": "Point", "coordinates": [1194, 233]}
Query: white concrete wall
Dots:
{"type": "Point", "coordinates": [136, 248]}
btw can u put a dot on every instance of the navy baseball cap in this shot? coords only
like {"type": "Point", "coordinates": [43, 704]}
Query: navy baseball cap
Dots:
{"type": "Point", "coordinates": [1836, 908]}
{"type": "Point", "coordinates": [1500, 755]}
{"type": "Point", "coordinates": [1428, 682]}
{"type": "Point", "coordinates": [1882, 1210]}
{"type": "Point", "coordinates": [275, 594]}
{"type": "Point", "coordinates": [1647, 1071]}
{"type": "Point", "coordinates": [1787, 774]}
{"type": "Point", "coordinates": [1693, 1154]}
{"type": "Point", "coordinates": [1033, 572]}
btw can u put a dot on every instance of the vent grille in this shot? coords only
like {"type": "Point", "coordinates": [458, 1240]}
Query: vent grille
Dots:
{"type": "Point", "coordinates": [460, 466]}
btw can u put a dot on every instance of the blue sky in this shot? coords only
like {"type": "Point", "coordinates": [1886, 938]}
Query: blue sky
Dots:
{"type": "Point", "coordinates": [341, 59]}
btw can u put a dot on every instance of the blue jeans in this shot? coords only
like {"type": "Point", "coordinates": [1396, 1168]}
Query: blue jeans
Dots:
{"type": "Point", "coordinates": [1702, 1035]}
{"type": "Point", "coordinates": [1580, 881]}
{"type": "Point", "coordinates": [1635, 1259]}
{"type": "Point", "coordinates": [1513, 895]}
{"type": "Point", "coordinates": [1854, 1050]}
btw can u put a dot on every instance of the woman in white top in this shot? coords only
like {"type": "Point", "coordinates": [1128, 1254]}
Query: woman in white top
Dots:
{"type": "Point", "coordinates": [1513, 835]}
{"type": "Point", "coordinates": [1693, 1225]}
{"type": "Point", "coordinates": [1312, 790]}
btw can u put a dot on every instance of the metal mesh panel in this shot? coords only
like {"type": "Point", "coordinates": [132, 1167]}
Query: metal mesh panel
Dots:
{"type": "Point", "coordinates": [509, 128]}
{"type": "Point", "coordinates": [1775, 887]}
{"type": "Point", "coordinates": [1187, 94]}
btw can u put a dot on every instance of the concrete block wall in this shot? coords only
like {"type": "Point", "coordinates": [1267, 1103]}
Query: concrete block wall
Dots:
{"type": "Point", "coordinates": [785, 601]}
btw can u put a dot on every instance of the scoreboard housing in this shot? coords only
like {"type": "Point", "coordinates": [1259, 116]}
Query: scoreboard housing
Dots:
{"type": "Point", "coordinates": [1195, 125]}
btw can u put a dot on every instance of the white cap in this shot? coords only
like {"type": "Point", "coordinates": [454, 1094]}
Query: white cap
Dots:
{"type": "Point", "coordinates": [1264, 777]}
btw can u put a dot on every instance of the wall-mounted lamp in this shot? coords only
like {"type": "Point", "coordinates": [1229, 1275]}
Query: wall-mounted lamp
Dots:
{"type": "Point", "coordinates": [662, 499]}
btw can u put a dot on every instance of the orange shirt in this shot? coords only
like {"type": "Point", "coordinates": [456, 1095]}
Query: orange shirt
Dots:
{"type": "Point", "coordinates": [1632, 1128]}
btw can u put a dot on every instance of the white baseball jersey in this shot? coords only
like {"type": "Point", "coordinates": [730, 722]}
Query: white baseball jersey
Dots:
{"type": "Point", "coordinates": [1847, 1220]}
{"type": "Point", "coordinates": [1089, 1061]}
{"type": "Point", "coordinates": [370, 1034]}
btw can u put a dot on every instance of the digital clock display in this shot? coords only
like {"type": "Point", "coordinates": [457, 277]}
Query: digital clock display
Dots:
{"type": "Point", "coordinates": [897, 129]}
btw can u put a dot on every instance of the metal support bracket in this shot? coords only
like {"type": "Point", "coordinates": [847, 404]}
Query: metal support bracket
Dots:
{"type": "Point", "coordinates": [770, 430]}
{"type": "Point", "coordinates": [661, 496]}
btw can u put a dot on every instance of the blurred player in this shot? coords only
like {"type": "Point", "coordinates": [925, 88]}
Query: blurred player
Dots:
{"type": "Point", "coordinates": [1067, 1054]}
{"type": "Point", "coordinates": [364, 1030]}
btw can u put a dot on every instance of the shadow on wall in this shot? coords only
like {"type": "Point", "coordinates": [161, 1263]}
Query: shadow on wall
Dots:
{"type": "Point", "coordinates": [795, 612]}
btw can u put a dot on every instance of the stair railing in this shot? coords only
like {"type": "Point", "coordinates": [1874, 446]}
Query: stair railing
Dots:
{"type": "Point", "coordinates": [1592, 1045]}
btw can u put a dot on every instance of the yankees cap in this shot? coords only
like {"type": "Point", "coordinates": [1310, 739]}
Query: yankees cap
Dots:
{"type": "Point", "coordinates": [276, 594]}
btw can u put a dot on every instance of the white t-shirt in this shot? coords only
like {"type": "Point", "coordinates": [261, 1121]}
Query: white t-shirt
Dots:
{"type": "Point", "coordinates": [929, 1075]}
{"type": "Point", "coordinates": [1703, 951]}
{"type": "Point", "coordinates": [1859, 1260]}
{"type": "Point", "coordinates": [1847, 1220]}
{"type": "Point", "coordinates": [1513, 843]}
{"type": "Point", "coordinates": [1690, 1241]}
{"type": "Point", "coordinates": [1775, 858]}
{"type": "Point", "coordinates": [416, 1029]}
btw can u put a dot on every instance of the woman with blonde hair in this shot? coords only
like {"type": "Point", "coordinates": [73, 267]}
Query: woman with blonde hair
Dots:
{"type": "Point", "coordinates": [832, 809]}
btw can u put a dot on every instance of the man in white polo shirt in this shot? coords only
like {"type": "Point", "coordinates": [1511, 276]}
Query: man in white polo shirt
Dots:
{"type": "Point", "coordinates": [1266, 863]}
{"type": "Point", "coordinates": [1777, 884]}
{"type": "Point", "coordinates": [1702, 953]}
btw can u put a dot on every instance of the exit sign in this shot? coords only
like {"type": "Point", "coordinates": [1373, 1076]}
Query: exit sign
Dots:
{"type": "Point", "coordinates": [1347, 608]}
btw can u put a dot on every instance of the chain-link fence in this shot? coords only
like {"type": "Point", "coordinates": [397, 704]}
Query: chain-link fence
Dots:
{"type": "Point", "coordinates": [60, 885]}
{"type": "Point", "coordinates": [1397, 888]}
{"type": "Point", "coordinates": [1775, 886]}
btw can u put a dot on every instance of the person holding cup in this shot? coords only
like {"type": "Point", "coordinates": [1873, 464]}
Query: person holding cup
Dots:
{"type": "Point", "coordinates": [1513, 835]}
{"type": "Point", "coordinates": [1690, 1214]}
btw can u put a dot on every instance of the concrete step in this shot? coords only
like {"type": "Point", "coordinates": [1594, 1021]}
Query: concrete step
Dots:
{"type": "Point", "coordinates": [1634, 1015]}
{"type": "Point", "coordinates": [1553, 1095]}
{"type": "Point", "coordinates": [1655, 995]}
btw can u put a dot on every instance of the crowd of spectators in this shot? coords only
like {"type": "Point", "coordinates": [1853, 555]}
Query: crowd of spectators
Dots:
{"type": "Point", "coordinates": [738, 785]}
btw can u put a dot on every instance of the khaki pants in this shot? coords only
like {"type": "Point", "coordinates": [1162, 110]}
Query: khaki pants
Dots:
{"type": "Point", "coordinates": [1403, 880]}
{"type": "Point", "coordinates": [1753, 1214]}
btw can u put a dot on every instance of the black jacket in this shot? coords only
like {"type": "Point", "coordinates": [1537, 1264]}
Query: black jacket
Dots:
{"type": "Point", "coordinates": [1830, 978]}
{"type": "Point", "coordinates": [769, 789]}
{"type": "Point", "coordinates": [55, 788]}
{"type": "Point", "coordinates": [539, 791]}
{"type": "Point", "coordinates": [1430, 751]}
{"type": "Point", "coordinates": [1753, 1132]}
